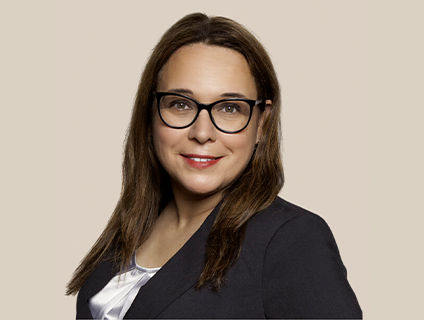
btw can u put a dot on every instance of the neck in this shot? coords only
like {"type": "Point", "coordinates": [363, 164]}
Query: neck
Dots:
{"type": "Point", "coordinates": [188, 208]}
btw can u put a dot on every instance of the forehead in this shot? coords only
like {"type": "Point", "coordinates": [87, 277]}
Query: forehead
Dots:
{"type": "Point", "coordinates": [208, 71]}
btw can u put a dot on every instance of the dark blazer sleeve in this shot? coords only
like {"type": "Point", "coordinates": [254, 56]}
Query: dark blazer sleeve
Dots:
{"type": "Point", "coordinates": [303, 274]}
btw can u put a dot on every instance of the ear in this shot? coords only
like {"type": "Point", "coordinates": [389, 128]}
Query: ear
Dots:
{"type": "Point", "coordinates": [264, 114]}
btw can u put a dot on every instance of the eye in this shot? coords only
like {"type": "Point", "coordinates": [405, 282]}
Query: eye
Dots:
{"type": "Point", "coordinates": [230, 108]}
{"type": "Point", "coordinates": [179, 105]}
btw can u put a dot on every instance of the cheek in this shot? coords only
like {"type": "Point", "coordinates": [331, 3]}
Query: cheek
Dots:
{"type": "Point", "coordinates": [241, 144]}
{"type": "Point", "coordinates": [246, 139]}
{"type": "Point", "coordinates": [166, 141]}
{"type": "Point", "coordinates": [163, 139]}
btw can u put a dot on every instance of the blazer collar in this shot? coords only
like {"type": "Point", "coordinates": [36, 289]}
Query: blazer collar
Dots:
{"type": "Point", "coordinates": [176, 276]}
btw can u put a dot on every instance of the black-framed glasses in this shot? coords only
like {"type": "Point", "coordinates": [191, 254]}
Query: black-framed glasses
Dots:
{"type": "Point", "coordinates": [228, 115]}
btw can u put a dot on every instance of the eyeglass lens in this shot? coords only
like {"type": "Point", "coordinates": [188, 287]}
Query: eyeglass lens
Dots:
{"type": "Point", "coordinates": [178, 111]}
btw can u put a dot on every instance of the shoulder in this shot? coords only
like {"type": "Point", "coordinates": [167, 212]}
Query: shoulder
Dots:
{"type": "Point", "coordinates": [303, 274]}
{"type": "Point", "coordinates": [282, 216]}
{"type": "Point", "coordinates": [281, 210]}
{"type": "Point", "coordinates": [282, 226]}
{"type": "Point", "coordinates": [294, 232]}
{"type": "Point", "coordinates": [298, 233]}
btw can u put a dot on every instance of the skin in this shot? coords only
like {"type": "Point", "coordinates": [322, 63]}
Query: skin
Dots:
{"type": "Point", "coordinates": [208, 71]}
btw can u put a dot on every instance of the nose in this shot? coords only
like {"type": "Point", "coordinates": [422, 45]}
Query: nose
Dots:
{"type": "Point", "coordinates": [202, 129]}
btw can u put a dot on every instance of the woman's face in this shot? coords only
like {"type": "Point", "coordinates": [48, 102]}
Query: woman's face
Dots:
{"type": "Point", "coordinates": [206, 72]}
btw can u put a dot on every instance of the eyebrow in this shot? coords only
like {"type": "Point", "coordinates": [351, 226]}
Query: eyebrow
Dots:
{"type": "Point", "coordinates": [225, 94]}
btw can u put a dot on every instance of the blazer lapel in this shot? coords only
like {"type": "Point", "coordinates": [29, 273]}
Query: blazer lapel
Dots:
{"type": "Point", "coordinates": [101, 275]}
{"type": "Point", "coordinates": [175, 277]}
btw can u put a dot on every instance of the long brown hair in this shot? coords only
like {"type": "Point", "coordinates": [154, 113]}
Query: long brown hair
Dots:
{"type": "Point", "coordinates": [145, 184]}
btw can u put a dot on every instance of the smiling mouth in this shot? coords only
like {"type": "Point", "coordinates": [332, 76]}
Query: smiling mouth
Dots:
{"type": "Point", "coordinates": [200, 158]}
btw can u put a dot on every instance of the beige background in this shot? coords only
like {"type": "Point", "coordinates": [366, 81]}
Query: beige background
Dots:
{"type": "Point", "coordinates": [351, 74]}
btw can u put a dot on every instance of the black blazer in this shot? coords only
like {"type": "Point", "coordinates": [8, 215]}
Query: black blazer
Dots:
{"type": "Point", "coordinates": [289, 267]}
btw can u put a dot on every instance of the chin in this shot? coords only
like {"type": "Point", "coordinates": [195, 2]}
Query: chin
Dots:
{"type": "Point", "coordinates": [203, 188]}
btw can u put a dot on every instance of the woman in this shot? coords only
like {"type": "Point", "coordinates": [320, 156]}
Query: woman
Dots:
{"type": "Point", "coordinates": [199, 230]}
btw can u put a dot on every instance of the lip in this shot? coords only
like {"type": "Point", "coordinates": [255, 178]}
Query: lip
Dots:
{"type": "Point", "coordinates": [198, 164]}
{"type": "Point", "coordinates": [202, 156]}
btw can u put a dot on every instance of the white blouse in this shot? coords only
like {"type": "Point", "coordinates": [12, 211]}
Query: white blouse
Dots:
{"type": "Point", "coordinates": [114, 300]}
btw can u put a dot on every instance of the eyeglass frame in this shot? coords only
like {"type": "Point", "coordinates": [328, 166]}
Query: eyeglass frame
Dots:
{"type": "Point", "coordinates": [208, 107]}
